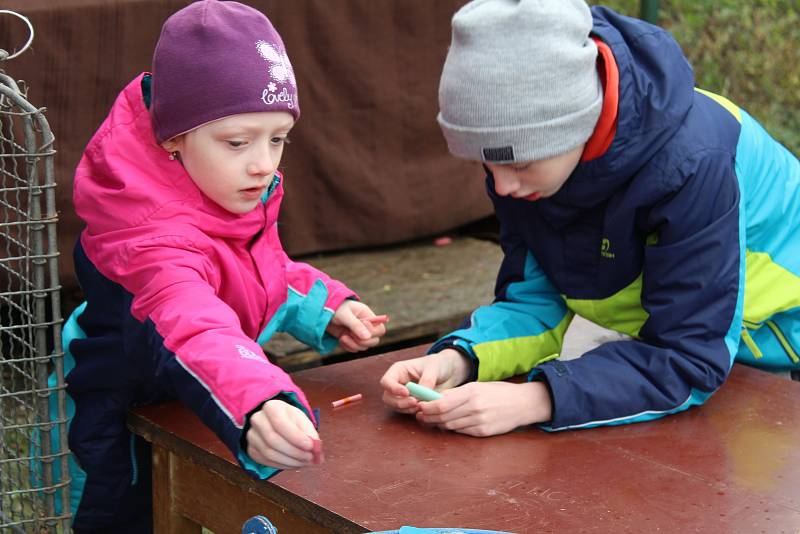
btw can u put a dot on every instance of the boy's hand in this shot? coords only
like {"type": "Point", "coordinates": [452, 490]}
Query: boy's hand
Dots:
{"type": "Point", "coordinates": [443, 370]}
{"type": "Point", "coordinates": [488, 408]}
{"type": "Point", "coordinates": [280, 436]}
{"type": "Point", "coordinates": [352, 326]}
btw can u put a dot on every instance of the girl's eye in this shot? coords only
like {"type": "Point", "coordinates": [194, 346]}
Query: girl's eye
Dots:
{"type": "Point", "coordinates": [279, 140]}
{"type": "Point", "coordinates": [234, 143]}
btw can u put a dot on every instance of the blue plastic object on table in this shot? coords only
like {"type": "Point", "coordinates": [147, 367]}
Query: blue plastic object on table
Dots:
{"type": "Point", "coordinates": [259, 525]}
{"type": "Point", "coordinates": [417, 530]}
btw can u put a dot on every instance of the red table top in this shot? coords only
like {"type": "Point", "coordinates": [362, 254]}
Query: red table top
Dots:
{"type": "Point", "coordinates": [732, 465]}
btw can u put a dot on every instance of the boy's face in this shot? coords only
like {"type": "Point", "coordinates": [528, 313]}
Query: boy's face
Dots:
{"type": "Point", "coordinates": [232, 160]}
{"type": "Point", "coordinates": [534, 179]}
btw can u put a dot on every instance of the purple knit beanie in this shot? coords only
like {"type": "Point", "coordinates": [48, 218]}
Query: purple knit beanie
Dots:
{"type": "Point", "coordinates": [215, 59]}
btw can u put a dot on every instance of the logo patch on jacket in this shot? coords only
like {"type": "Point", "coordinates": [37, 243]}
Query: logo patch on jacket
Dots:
{"type": "Point", "coordinates": [605, 249]}
{"type": "Point", "coordinates": [248, 354]}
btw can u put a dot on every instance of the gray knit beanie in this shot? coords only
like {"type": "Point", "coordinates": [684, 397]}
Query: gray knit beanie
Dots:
{"type": "Point", "coordinates": [520, 81]}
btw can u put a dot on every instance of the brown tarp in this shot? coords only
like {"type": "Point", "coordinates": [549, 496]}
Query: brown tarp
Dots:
{"type": "Point", "coordinates": [367, 165]}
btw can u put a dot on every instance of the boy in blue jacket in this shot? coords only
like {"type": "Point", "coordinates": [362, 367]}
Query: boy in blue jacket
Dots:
{"type": "Point", "coordinates": [626, 195]}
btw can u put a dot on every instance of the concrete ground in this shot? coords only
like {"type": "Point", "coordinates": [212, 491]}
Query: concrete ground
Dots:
{"type": "Point", "coordinates": [427, 290]}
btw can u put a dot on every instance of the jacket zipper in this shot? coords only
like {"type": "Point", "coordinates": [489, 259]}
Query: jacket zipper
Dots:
{"type": "Point", "coordinates": [783, 341]}
{"type": "Point", "coordinates": [751, 344]}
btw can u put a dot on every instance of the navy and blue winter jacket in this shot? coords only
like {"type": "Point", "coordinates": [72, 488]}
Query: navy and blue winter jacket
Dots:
{"type": "Point", "coordinates": [684, 234]}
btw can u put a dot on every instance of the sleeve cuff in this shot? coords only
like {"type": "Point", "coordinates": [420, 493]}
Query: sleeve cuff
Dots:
{"type": "Point", "coordinates": [462, 347]}
{"type": "Point", "coordinates": [253, 468]}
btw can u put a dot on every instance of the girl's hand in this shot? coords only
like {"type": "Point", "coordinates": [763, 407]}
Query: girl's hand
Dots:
{"type": "Point", "coordinates": [352, 326]}
{"type": "Point", "coordinates": [443, 370]}
{"type": "Point", "coordinates": [280, 436]}
{"type": "Point", "coordinates": [488, 408]}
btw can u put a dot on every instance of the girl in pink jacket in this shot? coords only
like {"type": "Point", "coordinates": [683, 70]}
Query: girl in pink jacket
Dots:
{"type": "Point", "coordinates": [182, 268]}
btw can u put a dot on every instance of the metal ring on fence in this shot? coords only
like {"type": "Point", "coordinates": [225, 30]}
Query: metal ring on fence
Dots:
{"type": "Point", "coordinates": [30, 38]}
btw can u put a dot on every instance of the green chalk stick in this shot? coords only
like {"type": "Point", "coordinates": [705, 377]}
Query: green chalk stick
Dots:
{"type": "Point", "coordinates": [422, 393]}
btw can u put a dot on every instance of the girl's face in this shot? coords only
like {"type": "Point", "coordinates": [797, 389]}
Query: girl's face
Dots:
{"type": "Point", "coordinates": [232, 160]}
{"type": "Point", "coordinates": [534, 179]}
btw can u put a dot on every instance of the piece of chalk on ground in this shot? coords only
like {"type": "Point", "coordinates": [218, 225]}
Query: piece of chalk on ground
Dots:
{"type": "Point", "coordinates": [346, 400]}
{"type": "Point", "coordinates": [378, 319]}
{"type": "Point", "coordinates": [422, 393]}
{"type": "Point", "coordinates": [316, 451]}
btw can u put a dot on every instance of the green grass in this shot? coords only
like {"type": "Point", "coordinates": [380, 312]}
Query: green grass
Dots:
{"type": "Point", "coordinates": [746, 51]}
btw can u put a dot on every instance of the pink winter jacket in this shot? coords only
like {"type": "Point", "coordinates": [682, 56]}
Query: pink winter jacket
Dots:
{"type": "Point", "coordinates": [212, 282]}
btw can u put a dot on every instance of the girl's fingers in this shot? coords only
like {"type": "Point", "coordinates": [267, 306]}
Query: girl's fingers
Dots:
{"type": "Point", "coordinates": [349, 344]}
{"type": "Point", "coordinates": [335, 330]}
{"type": "Point", "coordinates": [280, 445]}
{"type": "Point", "coordinates": [375, 329]}
{"type": "Point", "coordinates": [260, 451]}
{"type": "Point", "coordinates": [284, 424]}
{"type": "Point", "coordinates": [356, 345]}
{"type": "Point", "coordinates": [355, 325]}
{"type": "Point", "coordinates": [281, 461]}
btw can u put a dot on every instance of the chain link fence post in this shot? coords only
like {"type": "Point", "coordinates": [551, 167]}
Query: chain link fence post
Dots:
{"type": "Point", "coordinates": [34, 475]}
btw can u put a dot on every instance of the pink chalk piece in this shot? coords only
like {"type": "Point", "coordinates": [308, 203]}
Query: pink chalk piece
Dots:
{"type": "Point", "coordinates": [443, 241]}
{"type": "Point", "coordinates": [346, 400]}
{"type": "Point", "coordinates": [378, 319]}
{"type": "Point", "coordinates": [316, 452]}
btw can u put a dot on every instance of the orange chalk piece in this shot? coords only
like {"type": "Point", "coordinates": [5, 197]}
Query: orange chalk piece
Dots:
{"type": "Point", "coordinates": [346, 400]}
{"type": "Point", "coordinates": [316, 451]}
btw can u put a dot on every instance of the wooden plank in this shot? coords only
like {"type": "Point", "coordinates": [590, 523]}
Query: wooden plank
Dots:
{"type": "Point", "coordinates": [166, 518]}
{"type": "Point", "coordinates": [197, 481]}
{"type": "Point", "coordinates": [218, 503]}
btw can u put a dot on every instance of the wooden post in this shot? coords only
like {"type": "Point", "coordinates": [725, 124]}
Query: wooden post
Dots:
{"type": "Point", "coordinates": [166, 519]}
{"type": "Point", "coordinates": [649, 11]}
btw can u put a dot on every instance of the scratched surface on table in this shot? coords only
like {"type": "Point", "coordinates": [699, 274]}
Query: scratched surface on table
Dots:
{"type": "Point", "coordinates": [730, 466]}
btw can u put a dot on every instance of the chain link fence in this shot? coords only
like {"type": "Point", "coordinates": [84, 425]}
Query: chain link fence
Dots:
{"type": "Point", "coordinates": [33, 441]}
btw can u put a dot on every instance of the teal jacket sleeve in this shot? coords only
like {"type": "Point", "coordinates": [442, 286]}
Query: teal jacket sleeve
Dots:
{"type": "Point", "coordinates": [525, 324]}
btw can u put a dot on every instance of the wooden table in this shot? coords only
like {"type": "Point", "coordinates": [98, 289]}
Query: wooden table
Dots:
{"type": "Point", "coordinates": [732, 465]}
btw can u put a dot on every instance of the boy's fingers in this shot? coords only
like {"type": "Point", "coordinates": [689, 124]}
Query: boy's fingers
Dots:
{"type": "Point", "coordinates": [391, 382]}
{"type": "Point", "coordinates": [400, 404]}
{"type": "Point", "coordinates": [452, 402]}
{"type": "Point", "coordinates": [439, 411]}
{"type": "Point", "coordinates": [429, 376]}
{"type": "Point", "coordinates": [460, 424]}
